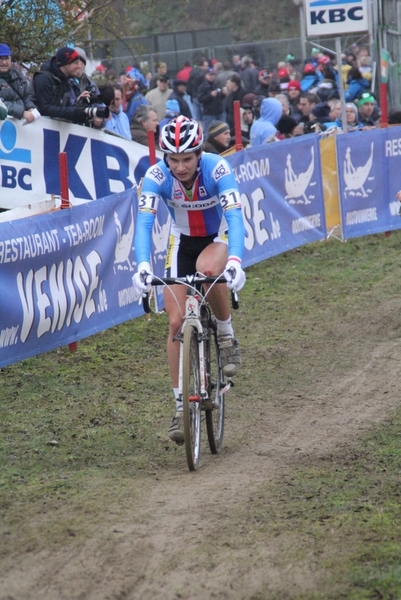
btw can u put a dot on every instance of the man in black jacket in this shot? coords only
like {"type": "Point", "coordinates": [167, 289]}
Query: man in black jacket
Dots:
{"type": "Point", "coordinates": [178, 93]}
{"type": "Point", "coordinates": [52, 87]}
{"type": "Point", "coordinates": [235, 92]}
{"type": "Point", "coordinates": [212, 100]}
{"type": "Point", "coordinates": [195, 79]}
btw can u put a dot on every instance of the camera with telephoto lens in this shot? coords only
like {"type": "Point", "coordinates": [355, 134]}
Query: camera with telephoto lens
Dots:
{"type": "Point", "coordinates": [101, 112]}
{"type": "Point", "coordinates": [85, 100]}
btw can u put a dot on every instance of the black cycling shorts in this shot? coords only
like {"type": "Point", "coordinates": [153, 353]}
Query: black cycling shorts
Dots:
{"type": "Point", "coordinates": [183, 252]}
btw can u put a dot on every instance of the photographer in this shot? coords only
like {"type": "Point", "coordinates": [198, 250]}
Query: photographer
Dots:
{"type": "Point", "coordinates": [53, 89]}
{"type": "Point", "coordinates": [85, 93]}
{"type": "Point", "coordinates": [212, 100]}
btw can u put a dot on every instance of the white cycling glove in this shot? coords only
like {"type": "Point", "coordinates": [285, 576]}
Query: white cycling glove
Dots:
{"type": "Point", "coordinates": [142, 284]}
{"type": "Point", "coordinates": [234, 274]}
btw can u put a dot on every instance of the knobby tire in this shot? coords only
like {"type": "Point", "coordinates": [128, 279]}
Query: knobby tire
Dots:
{"type": "Point", "coordinates": [215, 415]}
{"type": "Point", "coordinates": [190, 391]}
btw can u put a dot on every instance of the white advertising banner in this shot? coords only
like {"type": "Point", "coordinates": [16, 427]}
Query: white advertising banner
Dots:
{"type": "Point", "coordinates": [99, 164]}
{"type": "Point", "coordinates": [335, 17]}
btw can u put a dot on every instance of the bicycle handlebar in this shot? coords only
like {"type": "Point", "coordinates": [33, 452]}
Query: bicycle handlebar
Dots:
{"type": "Point", "coordinates": [188, 280]}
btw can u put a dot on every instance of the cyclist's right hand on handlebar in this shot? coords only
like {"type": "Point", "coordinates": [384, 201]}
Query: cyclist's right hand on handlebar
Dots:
{"type": "Point", "coordinates": [141, 281]}
{"type": "Point", "coordinates": [234, 274]}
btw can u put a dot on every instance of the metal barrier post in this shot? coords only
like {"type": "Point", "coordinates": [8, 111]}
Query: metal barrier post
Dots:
{"type": "Point", "coordinates": [65, 203]}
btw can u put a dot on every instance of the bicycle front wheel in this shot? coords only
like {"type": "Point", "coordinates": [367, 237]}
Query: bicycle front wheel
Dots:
{"type": "Point", "coordinates": [215, 415]}
{"type": "Point", "coordinates": [191, 397]}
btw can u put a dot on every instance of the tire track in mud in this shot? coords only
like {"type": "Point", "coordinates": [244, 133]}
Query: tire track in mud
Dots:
{"type": "Point", "coordinates": [184, 538]}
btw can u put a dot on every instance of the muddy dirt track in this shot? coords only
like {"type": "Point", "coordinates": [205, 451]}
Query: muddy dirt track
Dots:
{"type": "Point", "coordinates": [176, 534]}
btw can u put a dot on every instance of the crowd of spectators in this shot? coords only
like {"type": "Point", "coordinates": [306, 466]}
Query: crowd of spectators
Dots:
{"type": "Point", "coordinates": [292, 97]}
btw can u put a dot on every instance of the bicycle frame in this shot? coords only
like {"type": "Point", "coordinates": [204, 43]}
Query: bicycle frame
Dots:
{"type": "Point", "coordinates": [192, 318]}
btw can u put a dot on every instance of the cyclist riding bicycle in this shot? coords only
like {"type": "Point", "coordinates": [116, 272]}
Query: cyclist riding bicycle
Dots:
{"type": "Point", "coordinates": [207, 236]}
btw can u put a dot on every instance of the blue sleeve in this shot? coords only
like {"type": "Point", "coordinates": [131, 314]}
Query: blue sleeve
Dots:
{"type": "Point", "coordinates": [229, 197]}
{"type": "Point", "coordinates": [143, 236]}
{"type": "Point", "coordinates": [151, 194]}
{"type": "Point", "coordinates": [236, 232]}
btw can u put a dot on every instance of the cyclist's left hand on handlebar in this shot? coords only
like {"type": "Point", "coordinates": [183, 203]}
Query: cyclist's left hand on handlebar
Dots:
{"type": "Point", "coordinates": [234, 274]}
{"type": "Point", "coordinates": [142, 278]}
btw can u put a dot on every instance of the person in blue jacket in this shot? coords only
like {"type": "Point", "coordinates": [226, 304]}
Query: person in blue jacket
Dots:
{"type": "Point", "coordinates": [264, 128]}
{"type": "Point", "coordinates": [357, 84]}
{"type": "Point", "coordinates": [309, 79]}
{"type": "Point", "coordinates": [118, 122]}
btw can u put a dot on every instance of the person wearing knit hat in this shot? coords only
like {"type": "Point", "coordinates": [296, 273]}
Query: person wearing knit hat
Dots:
{"type": "Point", "coordinates": [321, 111]}
{"type": "Point", "coordinates": [5, 50]}
{"type": "Point", "coordinates": [293, 93]}
{"type": "Point", "coordinates": [294, 85]}
{"type": "Point", "coordinates": [54, 96]}
{"type": "Point", "coordinates": [366, 97]}
{"type": "Point", "coordinates": [82, 54]}
{"type": "Point", "coordinates": [15, 91]}
{"type": "Point", "coordinates": [66, 56]}
{"type": "Point", "coordinates": [369, 113]}
{"type": "Point", "coordinates": [351, 115]}
{"type": "Point", "coordinates": [218, 138]}
{"type": "Point", "coordinates": [285, 127]}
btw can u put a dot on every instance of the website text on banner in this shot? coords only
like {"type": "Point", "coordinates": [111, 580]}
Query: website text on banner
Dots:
{"type": "Point", "coordinates": [369, 167]}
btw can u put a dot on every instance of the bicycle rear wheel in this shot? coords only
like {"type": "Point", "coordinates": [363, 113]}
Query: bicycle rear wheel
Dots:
{"type": "Point", "coordinates": [191, 397]}
{"type": "Point", "coordinates": [215, 415]}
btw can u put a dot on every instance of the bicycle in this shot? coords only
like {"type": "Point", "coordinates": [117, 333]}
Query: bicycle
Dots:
{"type": "Point", "coordinates": [202, 384]}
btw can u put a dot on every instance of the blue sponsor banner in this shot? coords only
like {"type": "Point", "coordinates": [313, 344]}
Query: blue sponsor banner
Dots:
{"type": "Point", "coordinates": [67, 274]}
{"type": "Point", "coordinates": [281, 195]}
{"type": "Point", "coordinates": [369, 166]}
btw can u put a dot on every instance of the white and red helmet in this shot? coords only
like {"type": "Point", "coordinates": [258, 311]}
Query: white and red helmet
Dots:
{"type": "Point", "coordinates": [181, 135]}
